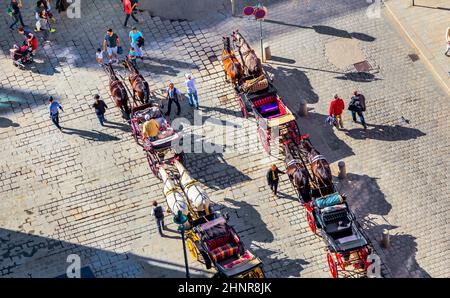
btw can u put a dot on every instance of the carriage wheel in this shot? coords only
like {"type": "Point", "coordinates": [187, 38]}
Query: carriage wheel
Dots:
{"type": "Point", "coordinates": [295, 132]}
{"type": "Point", "coordinates": [311, 223]}
{"type": "Point", "coordinates": [192, 248]}
{"type": "Point", "coordinates": [264, 140]}
{"type": "Point", "coordinates": [243, 108]}
{"type": "Point", "coordinates": [332, 265]}
{"type": "Point", "coordinates": [153, 165]}
{"type": "Point", "coordinates": [340, 261]}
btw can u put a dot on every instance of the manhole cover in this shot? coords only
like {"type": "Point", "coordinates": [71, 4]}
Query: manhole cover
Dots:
{"type": "Point", "coordinates": [363, 66]}
{"type": "Point", "coordinates": [212, 58]}
{"type": "Point", "coordinates": [413, 57]}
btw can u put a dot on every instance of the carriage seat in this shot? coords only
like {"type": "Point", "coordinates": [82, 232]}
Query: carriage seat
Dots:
{"type": "Point", "coordinates": [248, 256]}
{"type": "Point", "coordinates": [224, 252]}
{"type": "Point", "coordinates": [269, 108]}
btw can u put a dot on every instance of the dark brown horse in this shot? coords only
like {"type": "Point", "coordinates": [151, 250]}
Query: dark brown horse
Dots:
{"type": "Point", "coordinates": [319, 167]}
{"type": "Point", "coordinates": [118, 92]}
{"type": "Point", "coordinates": [137, 81]}
{"type": "Point", "coordinates": [298, 175]}
{"type": "Point", "coordinates": [249, 58]}
{"type": "Point", "coordinates": [231, 66]}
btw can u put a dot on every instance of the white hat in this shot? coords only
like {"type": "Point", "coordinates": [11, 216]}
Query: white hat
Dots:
{"type": "Point", "coordinates": [187, 75]}
{"type": "Point", "coordinates": [147, 117]}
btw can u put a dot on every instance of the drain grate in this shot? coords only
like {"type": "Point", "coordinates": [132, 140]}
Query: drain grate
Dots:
{"type": "Point", "coordinates": [363, 66]}
{"type": "Point", "coordinates": [413, 57]}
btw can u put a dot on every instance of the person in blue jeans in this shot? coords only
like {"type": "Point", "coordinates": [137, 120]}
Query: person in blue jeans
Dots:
{"type": "Point", "coordinates": [16, 5]}
{"type": "Point", "coordinates": [191, 90]}
{"type": "Point", "coordinates": [54, 112]}
{"type": "Point", "coordinates": [357, 106]}
{"type": "Point", "coordinates": [100, 109]}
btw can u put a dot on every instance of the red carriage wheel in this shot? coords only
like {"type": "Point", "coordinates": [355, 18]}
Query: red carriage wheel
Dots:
{"type": "Point", "coordinates": [311, 223]}
{"type": "Point", "coordinates": [332, 265]}
{"type": "Point", "coordinates": [264, 140]}
{"type": "Point", "coordinates": [153, 165]}
{"type": "Point", "coordinates": [243, 108]}
{"type": "Point", "coordinates": [340, 261]}
{"type": "Point", "coordinates": [134, 132]}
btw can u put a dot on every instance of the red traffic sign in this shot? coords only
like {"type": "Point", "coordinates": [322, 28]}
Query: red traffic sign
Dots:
{"type": "Point", "coordinates": [249, 10]}
{"type": "Point", "coordinates": [260, 13]}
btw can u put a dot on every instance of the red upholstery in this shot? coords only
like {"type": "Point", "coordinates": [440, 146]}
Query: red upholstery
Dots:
{"type": "Point", "coordinates": [217, 242]}
{"type": "Point", "coordinates": [263, 101]}
{"type": "Point", "coordinates": [224, 252]}
{"type": "Point", "coordinates": [246, 257]}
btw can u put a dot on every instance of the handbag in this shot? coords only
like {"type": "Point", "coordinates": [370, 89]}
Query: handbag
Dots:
{"type": "Point", "coordinates": [119, 50]}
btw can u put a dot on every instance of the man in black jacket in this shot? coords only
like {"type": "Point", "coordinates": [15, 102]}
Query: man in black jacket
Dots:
{"type": "Point", "coordinates": [158, 213]}
{"type": "Point", "coordinates": [273, 178]}
{"type": "Point", "coordinates": [100, 109]}
{"type": "Point", "coordinates": [357, 105]}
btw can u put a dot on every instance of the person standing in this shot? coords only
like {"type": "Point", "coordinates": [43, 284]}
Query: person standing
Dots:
{"type": "Point", "coordinates": [136, 40]}
{"type": "Point", "coordinates": [16, 5]}
{"type": "Point", "coordinates": [44, 25]}
{"type": "Point", "coordinates": [132, 55]}
{"type": "Point", "coordinates": [54, 112]}
{"type": "Point", "coordinates": [273, 178]}
{"type": "Point", "coordinates": [100, 109]}
{"type": "Point", "coordinates": [111, 43]}
{"type": "Point", "coordinates": [129, 7]}
{"type": "Point", "coordinates": [158, 213]}
{"type": "Point", "coordinates": [336, 108]}
{"type": "Point", "coordinates": [173, 95]}
{"type": "Point", "coordinates": [30, 39]}
{"type": "Point", "coordinates": [191, 90]}
{"type": "Point", "coordinates": [357, 105]}
{"type": "Point", "coordinates": [447, 38]}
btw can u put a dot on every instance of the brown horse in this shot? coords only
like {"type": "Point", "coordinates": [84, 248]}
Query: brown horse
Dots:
{"type": "Point", "coordinates": [298, 175]}
{"type": "Point", "coordinates": [118, 92]}
{"type": "Point", "coordinates": [231, 66]}
{"type": "Point", "coordinates": [251, 62]}
{"type": "Point", "coordinates": [319, 166]}
{"type": "Point", "coordinates": [137, 81]}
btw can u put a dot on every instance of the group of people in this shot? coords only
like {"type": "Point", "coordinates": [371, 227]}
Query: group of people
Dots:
{"type": "Point", "coordinates": [356, 106]}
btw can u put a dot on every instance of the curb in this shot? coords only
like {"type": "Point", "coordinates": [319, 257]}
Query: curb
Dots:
{"type": "Point", "coordinates": [417, 44]}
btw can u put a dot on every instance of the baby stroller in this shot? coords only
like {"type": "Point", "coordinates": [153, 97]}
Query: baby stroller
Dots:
{"type": "Point", "coordinates": [21, 55]}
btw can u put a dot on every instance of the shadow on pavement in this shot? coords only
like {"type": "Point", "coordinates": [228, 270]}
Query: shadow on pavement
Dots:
{"type": "Point", "coordinates": [362, 77]}
{"type": "Point", "coordinates": [5, 122]}
{"type": "Point", "coordinates": [90, 135]}
{"type": "Point", "coordinates": [385, 133]}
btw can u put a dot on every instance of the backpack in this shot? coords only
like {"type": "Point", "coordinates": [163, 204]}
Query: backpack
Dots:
{"type": "Point", "coordinates": [159, 214]}
{"type": "Point", "coordinates": [355, 105]}
{"type": "Point", "coordinates": [140, 41]}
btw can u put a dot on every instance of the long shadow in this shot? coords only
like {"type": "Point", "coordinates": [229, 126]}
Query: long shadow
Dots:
{"type": "Point", "coordinates": [158, 69]}
{"type": "Point", "coordinates": [293, 82]}
{"type": "Point", "coordinates": [5, 122]}
{"type": "Point", "coordinates": [90, 135]}
{"type": "Point", "coordinates": [26, 255]}
{"type": "Point", "coordinates": [172, 62]}
{"type": "Point", "coordinates": [360, 76]}
{"type": "Point", "coordinates": [438, 7]}
{"type": "Point", "coordinates": [116, 125]}
{"type": "Point", "coordinates": [248, 216]}
{"type": "Point", "coordinates": [385, 133]}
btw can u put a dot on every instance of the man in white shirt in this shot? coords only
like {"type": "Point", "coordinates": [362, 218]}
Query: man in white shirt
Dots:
{"type": "Point", "coordinates": [191, 90]}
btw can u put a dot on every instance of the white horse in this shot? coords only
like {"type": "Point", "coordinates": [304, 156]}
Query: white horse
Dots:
{"type": "Point", "coordinates": [196, 194]}
{"type": "Point", "coordinates": [174, 199]}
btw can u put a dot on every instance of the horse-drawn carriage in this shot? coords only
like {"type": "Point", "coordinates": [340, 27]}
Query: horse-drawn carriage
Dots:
{"type": "Point", "coordinates": [159, 151]}
{"type": "Point", "coordinates": [347, 246]}
{"type": "Point", "coordinates": [216, 244]}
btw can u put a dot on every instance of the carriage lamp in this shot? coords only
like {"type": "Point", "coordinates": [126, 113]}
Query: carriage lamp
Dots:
{"type": "Point", "coordinates": [181, 219]}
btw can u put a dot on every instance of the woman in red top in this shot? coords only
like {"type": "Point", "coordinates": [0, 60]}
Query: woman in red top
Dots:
{"type": "Point", "coordinates": [336, 108]}
{"type": "Point", "coordinates": [128, 7]}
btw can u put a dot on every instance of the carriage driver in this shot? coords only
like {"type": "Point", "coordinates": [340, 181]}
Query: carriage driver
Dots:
{"type": "Point", "coordinates": [150, 128]}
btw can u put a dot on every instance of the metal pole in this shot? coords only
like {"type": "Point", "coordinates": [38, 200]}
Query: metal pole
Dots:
{"type": "Point", "coordinates": [261, 38]}
{"type": "Point", "coordinates": [413, 2]}
{"type": "Point", "coordinates": [233, 8]}
{"type": "Point", "coordinates": [185, 254]}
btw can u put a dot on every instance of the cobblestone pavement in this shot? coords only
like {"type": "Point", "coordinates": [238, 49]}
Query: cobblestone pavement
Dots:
{"type": "Point", "coordinates": [88, 191]}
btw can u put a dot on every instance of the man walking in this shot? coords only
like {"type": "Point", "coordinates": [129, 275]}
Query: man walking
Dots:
{"type": "Point", "coordinates": [173, 95]}
{"type": "Point", "coordinates": [357, 105]}
{"type": "Point", "coordinates": [16, 5]}
{"type": "Point", "coordinates": [129, 7]}
{"type": "Point", "coordinates": [273, 178]}
{"type": "Point", "coordinates": [54, 113]}
{"type": "Point", "coordinates": [158, 213]}
{"type": "Point", "coordinates": [191, 91]}
{"type": "Point", "coordinates": [336, 108]}
{"type": "Point", "coordinates": [111, 43]}
{"type": "Point", "coordinates": [100, 109]}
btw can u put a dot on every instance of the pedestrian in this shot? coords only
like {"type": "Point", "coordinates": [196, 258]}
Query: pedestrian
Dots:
{"type": "Point", "coordinates": [129, 7]}
{"type": "Point", "coordinates": [54, 112]}
{"type": "Point", "coordinates": [30, 39]}
{"type": "Point", "coordinates": [99, 57]}
{"type": "Point", "coordinates": [111, 43]}
{"type": "Point", "coordinates": [357, 105]}
{"type": "Point", "coordinates": [44, 25]}
{"type": "Point", "coordinates": [61, 5]}
{"type": "Point", "coordinates": [150, 129]}
{"type": "Point", "coordinates": [273, 178]}
{"type": "Point", "coordinates": [173, 95]}
{"type": "Point", "coordinates": [336, 108]}
{"type": "Point", "coordinates": [48, 9]}
{"type": "Point", "coordinates": [16, 5]}
{"type": "Point", "coordinates": [132, 55]}
{"type": "Point", "coordinates": [100, 109]}
{"type": "Point", "coordinates": [447, 38]}
{"type": "Point", "coordinates": [191, 90]}
{"type": "Point", "coordinates": [158, 213]}
{"type": "Point", "coordinates": [136, 40]}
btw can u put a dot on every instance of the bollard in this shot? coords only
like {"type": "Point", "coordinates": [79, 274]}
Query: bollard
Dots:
{"type": "Point", "coordinates": [385, 241]}
{"type": "Point", "coordinates": [303, 108]}
{"type": "Point", "coordinates": [267, 53]}
{"type": "Point", "coordinates": [342, 170]}
{"type": "Point", "coordinates": [233, 8]}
